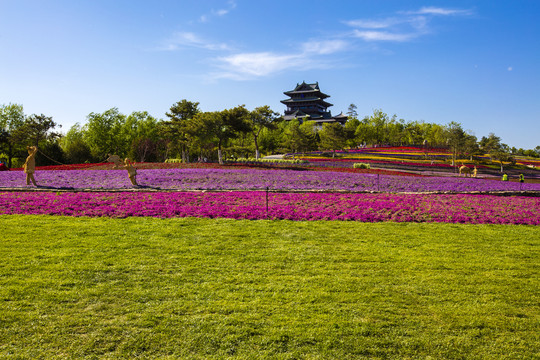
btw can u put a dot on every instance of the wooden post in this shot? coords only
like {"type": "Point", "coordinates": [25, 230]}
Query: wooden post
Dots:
{"type": "Point", "coordinates": [267, 202]}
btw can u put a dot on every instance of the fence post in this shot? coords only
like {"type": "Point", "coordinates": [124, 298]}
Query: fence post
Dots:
{"type": "Point", "coordinates": [267, 202]}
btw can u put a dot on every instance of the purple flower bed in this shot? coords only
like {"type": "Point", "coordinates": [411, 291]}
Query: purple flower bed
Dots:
{"type": "Point", "coordinates": [460, 208]}
{"type": "Point", "coordinates": [255, 179]}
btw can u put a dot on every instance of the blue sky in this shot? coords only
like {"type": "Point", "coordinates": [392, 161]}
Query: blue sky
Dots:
{"type": "Point", "coordinates": [473, 62]}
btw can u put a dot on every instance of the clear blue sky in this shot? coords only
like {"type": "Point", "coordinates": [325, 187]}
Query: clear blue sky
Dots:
{"type": "Point", "coordinates": [474, 62]}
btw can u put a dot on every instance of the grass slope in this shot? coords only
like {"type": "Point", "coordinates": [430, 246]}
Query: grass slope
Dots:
{"type": "Point", "coordinates": [203, 289]}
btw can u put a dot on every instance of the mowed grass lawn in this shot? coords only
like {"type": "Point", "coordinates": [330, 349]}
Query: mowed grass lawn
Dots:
{"type": "Point", "coordinates": [212, 289]}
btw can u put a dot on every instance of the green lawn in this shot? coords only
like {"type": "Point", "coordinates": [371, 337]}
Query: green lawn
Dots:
{"type": "Point", "coordinates": [205, 289]}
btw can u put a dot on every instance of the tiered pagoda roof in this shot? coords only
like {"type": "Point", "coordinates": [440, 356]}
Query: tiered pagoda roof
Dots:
{"type": "Point", "coordinates": [307, 101]}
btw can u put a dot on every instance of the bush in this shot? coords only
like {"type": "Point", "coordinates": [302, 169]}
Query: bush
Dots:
{"type": "Point", "coordinates": [361, 166]}
{"type": "Point", "coordinates": [274, 161]}
{"type": "Point", "coordinates": [173, 161]}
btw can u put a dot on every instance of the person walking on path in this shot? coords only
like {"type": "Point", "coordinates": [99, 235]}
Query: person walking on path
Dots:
{"type": "Point", "coordinates": [30, 165]}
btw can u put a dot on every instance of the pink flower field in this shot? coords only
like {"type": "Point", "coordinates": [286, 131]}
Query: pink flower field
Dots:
{"type": "Point", "coordinates": [449, 208]}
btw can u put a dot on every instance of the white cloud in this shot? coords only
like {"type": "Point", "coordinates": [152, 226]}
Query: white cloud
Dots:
{"type": "Point", "coordinates": [248, 65]}
{"type": "Point", "coordinates": [405, 26]}
{"type": "Point", "coordinates": [313, 54]}
{"type": "Point", "coordinates": [372, 24]}
{"type": "Point", "coordinates": [187, 39]}
{"type": "Point", "coordinates": [325, 47]}
{"type": "Point", "coordinates": [382, 36]}
{"type": "Point", "coordinates": [245, 66]}
{"type": "Point", "coordinates": [441, 11]}
{"type": "Point", "coordinates": [220, 12]}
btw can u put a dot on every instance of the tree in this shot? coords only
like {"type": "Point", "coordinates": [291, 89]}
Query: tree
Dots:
{"type": "Point", "coordinates": [456, 138]}
{"type": "Point", "coordinates": [351, 112]}
{"type": "Point", "coordinates": [35, 129]}
{"type": "Point", "coordinates": [139, 136]}
{"type": "Point", "coordinates": [220, 126]}
{"type": "Point", "coordinates": [292, 136]}
{"type": "Point", "coordinates": [75, 148]}
{"type": "Point", "coordinates": [310, 135]}
{"type": "Point", "coordinates": [364, 132]}
{"type": "Point", "coordinates": [332, 137]}
{"type": "Point", "coordinates": [414, 133]}
{"type": "Point", "coordinates": [144, 149]}
{"type": "Point", "coordinates": [258, 119]}
{"type": "Point", "coordinates": [11, 118]}
{"type": "Point", "coordinates": [176, 129]}
{"type": "Point", "coordinates": [497, 151]}
{"type": "Point", "coordinates": [102, 133]}
{"type": "Point", "coordinates": [379, 121]}
{"type": "Point", "coordinates": [350, 132]}
{"type": "Point", "coordinates": [269, 139]}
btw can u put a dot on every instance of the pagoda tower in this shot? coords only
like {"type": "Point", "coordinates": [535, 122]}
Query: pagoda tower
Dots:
{"type": "Point", "coordinates": [307, 102]}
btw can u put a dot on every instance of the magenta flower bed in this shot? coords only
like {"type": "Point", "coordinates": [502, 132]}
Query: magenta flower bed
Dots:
{"type": "Point", "coordinates": [473, 209]}
{"type": "Point", "coordinates": [255, 179]}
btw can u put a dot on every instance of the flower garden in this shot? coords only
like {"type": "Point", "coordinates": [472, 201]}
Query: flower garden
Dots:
{"type": "Point", "coordinates": [251, 193]}
{"type": "Point", "coordinates": [472, 209]}
{"type": "Point", "coordinates": [413, 157]}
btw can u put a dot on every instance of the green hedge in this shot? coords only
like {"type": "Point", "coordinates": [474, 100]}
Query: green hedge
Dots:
{"type": "Point", "coordinates": [274, 161]}
{"type": "Point", "coordinates": [361, 166]}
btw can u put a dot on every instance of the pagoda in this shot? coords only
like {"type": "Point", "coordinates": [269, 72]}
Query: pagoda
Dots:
{"type": "Point", "coordinates": [307, 102]}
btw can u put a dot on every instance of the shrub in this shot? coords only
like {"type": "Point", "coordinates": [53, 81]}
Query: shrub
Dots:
{"type": "Point", "coordinates": [361, 166]}
{"type": "Point", "coordinates": [173, 161]}
{"type": "Point", "coordinates": [273, 161]}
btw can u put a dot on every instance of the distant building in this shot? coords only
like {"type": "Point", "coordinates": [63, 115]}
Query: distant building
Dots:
{"type": "Point", "coordinates": [307, 102]}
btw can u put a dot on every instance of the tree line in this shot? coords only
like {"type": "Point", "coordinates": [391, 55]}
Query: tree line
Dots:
{"type": "Point", "coordinates": [193, 135]}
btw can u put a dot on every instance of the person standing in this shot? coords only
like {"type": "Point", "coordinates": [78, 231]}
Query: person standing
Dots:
{"type": "Point", "coordinates": [521, 178]}
{"type": "Point", "coordinates": [30, 165]}
{"type": "Point", "coordinates": [505, 177]}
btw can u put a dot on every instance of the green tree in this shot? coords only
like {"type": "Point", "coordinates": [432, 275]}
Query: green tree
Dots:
{"type": "Point", "coordinates": [379, 121]}
{"type": "Point", "coordinates": [497, 151]}
{"type": "Point", "coordinates": [52, 153]}
{"type": "Point", "coordinates": [296, 137]}
{"type": "Point", "coordinates": [332, 137]}
{"type": "Point", "coordinates": [102, 133]}
{"type": "Point", "coordinates": [220, 127]}
{"type": "Point", "coordinates": [35, 129]}
{"type": "Point", "coordinates": [292, 137]}
{"type": "Point", "coordinates": [260, 118]}
{"type": "Point", "coordinates": [310, 136]}
{"type": "Point", "coordinates": [11, 118]}
{"type": "Point", "coordinates": [177, 128]}
{"type": "Point", "coordinates": [270, 139]}
{"type": "Point", "coordinates": [74, 146]}
{"type": "Point", "coordinates": [365, 133]}
{"type": "Point", "coordinates": [350, 132]}
{"type": "Point", "coordinates": [456, 140]}
{"type": "Point", "coordinates": [139, 135]}
{"type": "Point", "coordinates": [351, 112]}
